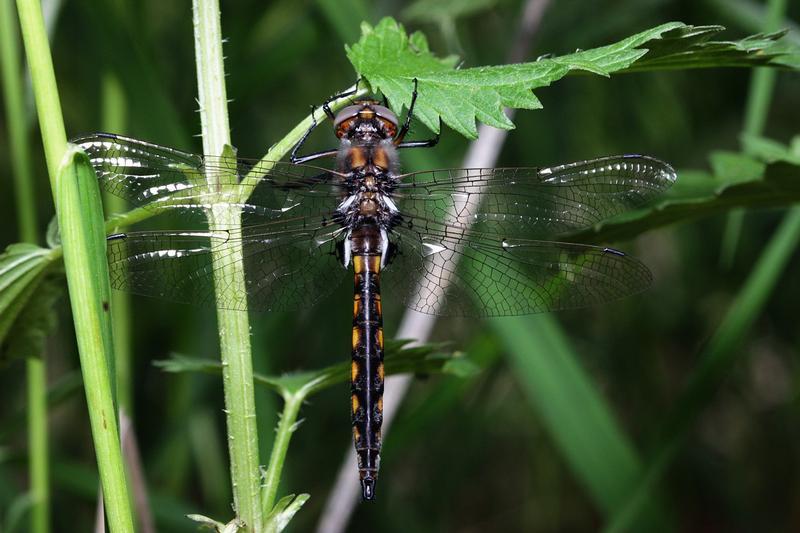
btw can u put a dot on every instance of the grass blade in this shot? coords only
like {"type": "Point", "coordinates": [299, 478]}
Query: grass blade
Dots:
{"type": "Point", "coordinates": [574, 412]}
{"type": "Point", "coordinates": [717, 359]}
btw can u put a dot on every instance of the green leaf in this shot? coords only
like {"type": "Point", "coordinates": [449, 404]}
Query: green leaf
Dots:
{"type": "Point", "coordinates": [80, 217]}
{"type": "Point", "coordinates": [400, 359]}
{"type": "Point", "coordinates": [38, 318]}
{"type": "Point", "coordinates": [389, 59]}
{"type": "Point", "coordinates": [770, 150]}
{"type": "Point", "coordinates": [691, 47]}
{"type": "Point", "coordinates": [209, 523]}
{"type": "Point", "coordinates": [738, 181]}
{"type": "Point", "coordinates": [284, 511]}
{"type": "Point", "coordinates": [21, 271]}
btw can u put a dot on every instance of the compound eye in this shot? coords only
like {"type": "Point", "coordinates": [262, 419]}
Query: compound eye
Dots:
{"type": "Point", "coordinates": [348, 112]}
{"type": "Point", "coordinates": [386, 114]}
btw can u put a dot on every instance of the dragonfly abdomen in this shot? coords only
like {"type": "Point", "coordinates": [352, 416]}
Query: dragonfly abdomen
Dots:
{"type": "Point", "coordinates": [367, 374]}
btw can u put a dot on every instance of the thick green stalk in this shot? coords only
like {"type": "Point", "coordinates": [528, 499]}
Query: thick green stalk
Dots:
{"type": "Point", "coordinates": [84, 260]}
{"type": "Point", "coordinates": [114, 119]}
{"type": "Point", "coordinates": [762, 83]}
{"type": "Point", "coordinates": [234, 326]}
{"type": "Point", "coordinates": [80, 217]}
{"type": "Point", "coordinates": [35, 368]}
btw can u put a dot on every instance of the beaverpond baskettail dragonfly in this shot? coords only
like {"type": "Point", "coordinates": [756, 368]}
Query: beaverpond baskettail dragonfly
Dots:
{"type": "Point", "coordinates": [477, 241]}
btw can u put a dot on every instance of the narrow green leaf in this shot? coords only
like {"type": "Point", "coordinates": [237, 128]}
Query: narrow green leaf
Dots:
{"type": "Point", "coordinates": [717, 360]}
{"type": "Point", "coordinates": [738, 181]}
{"type": "Point", "coordinates": [390, 60]}
{"type": "Point", "coordinates": [80, 217]}
{"type": "Point", "coordinates": [21, 269]}
{"type": "Point", "coordinates": [576, 415]}
{"type": "Point", "coordinates": [284, 511]}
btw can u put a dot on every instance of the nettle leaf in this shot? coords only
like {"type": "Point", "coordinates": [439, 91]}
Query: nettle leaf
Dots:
{"type": "Point", "coordinates": [22, 268]}
{"type": "Point", "coordinates": [284, 511]}
{"type": "Point", "coordinates": [737, 180]}
{"type": "Point", "coordinates": [400, 359]}
{"type": "Point", "coordinates": [35, 322]}
{"type": "Point", "coordinates": [389, 60]}
{"type": "Point", "coordinates": [692, 47]}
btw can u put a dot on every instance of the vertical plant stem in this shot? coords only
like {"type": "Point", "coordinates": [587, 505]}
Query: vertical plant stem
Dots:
{"type": "Point", "coordinates": [762, 83]}
{"type": "Point", "coordinates": [234, 326]}
{"type": "Point", "coordinates": [74, 189]}
{"type": "Point", "coordinates": [45, 92]}
{"type": "Point", "coordinates": [286, 427]}
{"type": "Point", "coordinates": [14, 100]}
{"type": "Point", "coordinates": [114, 119]}
{"type": "Point", "coordinates": [35, 368]}
{"type": "Point", "coordinates": [39, 465]}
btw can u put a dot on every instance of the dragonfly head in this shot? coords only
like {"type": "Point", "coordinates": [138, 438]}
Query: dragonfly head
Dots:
{"type": "Point", "coordinates": [364, 113]}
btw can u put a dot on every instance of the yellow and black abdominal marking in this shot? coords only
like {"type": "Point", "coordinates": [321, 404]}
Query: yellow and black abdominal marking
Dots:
{"type": "Point", "coordinates": [366, 376]}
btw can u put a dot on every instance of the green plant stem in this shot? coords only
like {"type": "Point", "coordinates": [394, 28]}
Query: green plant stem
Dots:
{"type": "Point", "coordinates": [114, 119]}
{"type": "Point", "coordinates": [234, 326]}
{"type": "Point", "coordinates": [45, 91]}
{"type": "Point", "coordinates": [84, 258]}
{"type": "Point", "coordinates": [36, 378]}
{"type": "Point", "coordinates": [280, 447]}
{"type": "Point", "coordinates": [35, 367]}
{"type": "Point", "coordinates": [762, 83]}
{"type": "Point", "coordinates": [20, 153]}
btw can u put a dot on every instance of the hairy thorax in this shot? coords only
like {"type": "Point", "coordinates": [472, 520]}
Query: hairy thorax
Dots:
{"type": "Point", "coordinates": [370, 169]}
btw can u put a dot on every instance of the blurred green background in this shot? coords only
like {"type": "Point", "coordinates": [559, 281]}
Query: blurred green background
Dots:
{"type": "Point", "coordinates": [473, 454]}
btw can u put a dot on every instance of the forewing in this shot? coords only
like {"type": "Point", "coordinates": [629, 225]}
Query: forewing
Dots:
{"type": "Point", "coordinates": [287, 265]}
{"type": "Point", "coordinates": [467, 273]}
{"type": "Point", "coordinates": [161, 178]}
{"type": "Point", "coordinates": [534, 203]}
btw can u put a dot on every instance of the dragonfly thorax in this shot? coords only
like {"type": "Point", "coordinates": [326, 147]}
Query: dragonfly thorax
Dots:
{"type": "Point", "coordinates": [368, 163]}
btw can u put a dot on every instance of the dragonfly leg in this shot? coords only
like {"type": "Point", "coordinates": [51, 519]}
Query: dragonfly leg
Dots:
{"type": "Point", "coordinates": [294, 158]}
{"type": "Point", "coordinates": [407, 124]}
{"type": "Point", "coordinates": [326, 104]}
{"type": "Point", "coordinates": [429, 143]}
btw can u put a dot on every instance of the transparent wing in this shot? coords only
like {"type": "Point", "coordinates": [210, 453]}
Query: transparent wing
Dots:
{"type": "Point", "coordinates": [534, 203]}
{"type": "Point", "coordinates": [468, 273]}
{"type": "Point", "coordinates": [160, 178]}
{"type": "Point", "coordinates": [288, 265]}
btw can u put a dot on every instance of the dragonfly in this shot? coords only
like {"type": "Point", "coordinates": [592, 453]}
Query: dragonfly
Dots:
{"type": "Point", "coordinates": [454, 241]}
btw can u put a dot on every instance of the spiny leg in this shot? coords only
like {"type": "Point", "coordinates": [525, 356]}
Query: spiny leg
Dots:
{"type": "Point", "coordinates": [294, 158]}
{"type": "Point", "coordinates": [398, 140]}
{"type": "Point", "coordinates": [407, 124]}
{"type": "Point", "coordinates": [428, 143]}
